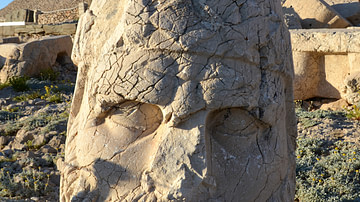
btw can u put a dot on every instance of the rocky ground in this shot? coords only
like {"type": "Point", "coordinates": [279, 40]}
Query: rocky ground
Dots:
{"type": "Point", "coordinates": [33, 119]}
{"type": "Point", "coordinates": [328, 154]}
{"type": "Point", "coordinates": [328, 125]}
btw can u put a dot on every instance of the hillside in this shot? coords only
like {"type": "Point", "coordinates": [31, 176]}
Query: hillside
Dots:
{"type": "Point", "coordinates": [43, 5]}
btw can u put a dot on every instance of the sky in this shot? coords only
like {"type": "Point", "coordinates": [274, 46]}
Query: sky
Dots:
{"type": "Point", "coordinates": [4, 3]}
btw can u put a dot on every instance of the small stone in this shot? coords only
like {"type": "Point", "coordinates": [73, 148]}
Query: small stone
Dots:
{"type": "Point", "coordinates": [52, 133]}
{"type": "Point", "coordinates": [40, 102]}
{"type": "Point", "coordinates": [55, 178]}
{"type": "Point", "coordinates": [30, 102]}
{"type": "Point", "coordinates": [34, 198]}
{"type": "Point", "coordinates": [26, 155]}
{"type": "Point", "coordinates": [337, 105]}
{"type": "Point", "coordinates": [23, 136]}
{"type": "Point", "coordinates": [4, 140]}
{"type": "Point", "coordinates": [48, 149]}
{"type": "Point", "coordinates": [39, 139]}
{"type": "Point", "coordinates": [16, 145]}
{"type": "Point", "coordinates": [3, 102]}
{"type": "Point", "coordinates": [8, 152]}
{"type": "Point", "coordinates": [57, 141]}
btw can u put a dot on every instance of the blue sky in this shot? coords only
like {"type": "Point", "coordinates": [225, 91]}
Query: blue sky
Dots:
{"type": "Point", "coordinates": [4, 3]}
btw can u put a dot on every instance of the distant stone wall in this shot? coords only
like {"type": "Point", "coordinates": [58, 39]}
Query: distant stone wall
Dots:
{"type": "Point", "coordinates": [60, 29]}
{"type": "Point", "coordinates": [57, 17]}
{"type": "Point", "coordinates": [42, 23]}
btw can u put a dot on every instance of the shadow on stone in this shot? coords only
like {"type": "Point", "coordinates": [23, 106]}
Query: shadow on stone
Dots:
{"type": "Point", "coordinates": [107, 175]}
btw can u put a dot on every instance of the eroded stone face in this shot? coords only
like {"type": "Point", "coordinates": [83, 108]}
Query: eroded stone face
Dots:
{"type": "Point", "coordinates": [181, 100]}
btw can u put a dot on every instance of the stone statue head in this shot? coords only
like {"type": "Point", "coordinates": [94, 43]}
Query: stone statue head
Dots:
{"type": "Point", "coordinates": [181, 100]}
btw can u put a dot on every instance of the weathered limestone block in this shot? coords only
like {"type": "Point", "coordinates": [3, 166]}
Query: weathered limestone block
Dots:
{"type": "Point", "coordinates": [323, 58]}
{"type": "Point", "coordinates": [181, 100]}
{"type": "Point", "coordinates": [352, 88]}
{"type": "Point", "coordinates": [317, 14]}
{"type": "Point", "coordinates": [349, 9]}
{"type": "Point", "coordinates": [32, 57]}
{"type": "Point", "coordinates": [7, 31]}
{"type": "Point", "coordinates": [62, 29]}
{"type": "Point", "coordinates": [307, 75]}
{"type": "Point", "coordinates": [29, 29]}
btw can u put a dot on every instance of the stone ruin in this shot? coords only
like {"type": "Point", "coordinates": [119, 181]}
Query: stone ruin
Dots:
{"type": "Point", "coordinates": [325, 43]}
{"type": "Point", "coordinates": [31, 48]}
{"type": "Point", "coordinates": [28, 22]}
{"type": "Point", "coordinates": [181, 100]}
{"type": "Point", "coordinates": [33, 57]}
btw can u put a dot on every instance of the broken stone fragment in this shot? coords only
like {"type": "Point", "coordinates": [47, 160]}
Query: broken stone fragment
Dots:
{"type": "Point", "coordinates": [317, 14]}
{"type": "Point", "coordinates": [349, 9]}
{"type": "Point", "coordinates": [29, 59]}
{"type": "Point", "coordinates": [352, 88]}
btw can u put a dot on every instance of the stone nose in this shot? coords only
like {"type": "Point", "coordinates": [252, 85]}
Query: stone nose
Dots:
{"type": "Point", "coordinates": [180, 159]}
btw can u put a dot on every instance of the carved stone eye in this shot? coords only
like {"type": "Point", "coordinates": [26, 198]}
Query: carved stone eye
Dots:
{"type": "Point", "coordinates": [131, 121]}
{"type": "Point", "coordinates": [238, 147]}
{"type": "Point", "coordinates": [234, 129]}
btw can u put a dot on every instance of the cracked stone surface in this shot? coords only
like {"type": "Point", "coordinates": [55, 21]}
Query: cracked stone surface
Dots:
{"type": "Point", "coordinates": [181, 100]}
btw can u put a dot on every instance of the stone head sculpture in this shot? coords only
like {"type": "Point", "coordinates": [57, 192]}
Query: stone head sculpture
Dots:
{"type": "Point", "coordinates": [181, 100]}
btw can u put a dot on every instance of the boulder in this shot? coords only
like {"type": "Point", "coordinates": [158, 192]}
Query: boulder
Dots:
{"type": "Point", "coordinates": [337, 105]}
{"type": "Point", "coordinates": [317, 14]}
{"type": "Point", "coordinates": [349, 9]}
{"type": "Point", "coordinates": [29, 59]}
{"type": "Point", "coordinates": [352, 88]}
{"type": "Point", "coordinates": [181, 100]}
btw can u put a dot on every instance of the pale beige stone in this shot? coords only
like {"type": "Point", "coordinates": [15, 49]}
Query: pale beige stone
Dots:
{"type": "Point", "coordinates": [29, 59]}
{"type": "Point", "coordinates": [181, 101]}
{"type": "Point", "coordinates": [307, 75]}
{"type": "Point", "coordinates": [326, 40]}
{"type": "Point", "coordinates": [349, 9]}
{"type": "Point", "coordinates": [323, 58]}
{"type": "Point", "coordinates": [352, 88]}
{"type": "Point", "coordinates": [317, 14]}
{"type": "Point", "coordinates": [335, 106]}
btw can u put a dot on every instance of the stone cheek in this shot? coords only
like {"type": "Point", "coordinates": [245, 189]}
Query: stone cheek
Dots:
{"type": "Point", "coordinates": [181, 100]}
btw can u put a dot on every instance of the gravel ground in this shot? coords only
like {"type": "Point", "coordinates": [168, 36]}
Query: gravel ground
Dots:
{"type": "Point", "coordinates": [327, 124]}
{"type": "Point", "coordinates": [33, 127]}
